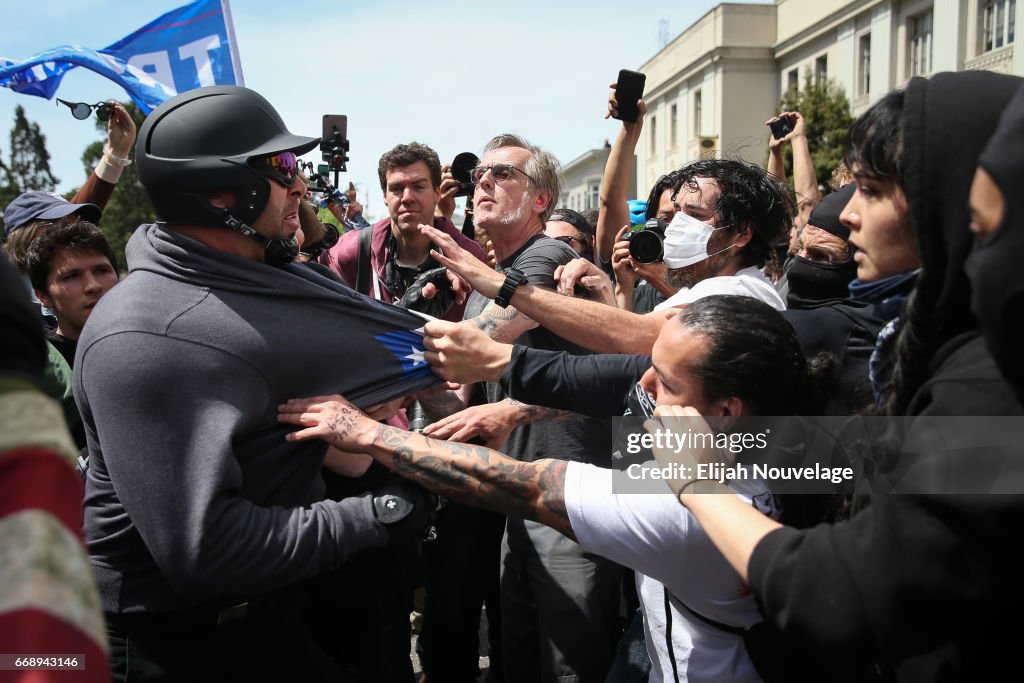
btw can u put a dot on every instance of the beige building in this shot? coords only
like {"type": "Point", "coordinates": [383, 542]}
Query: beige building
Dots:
{"type": "Point", "coordinates": [581, 180]}
{"type": "Point", "coordinates": [711, 89]}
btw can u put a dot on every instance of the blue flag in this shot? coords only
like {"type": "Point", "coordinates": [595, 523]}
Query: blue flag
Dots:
{"type": "Point", "coordinates": [186, 48]}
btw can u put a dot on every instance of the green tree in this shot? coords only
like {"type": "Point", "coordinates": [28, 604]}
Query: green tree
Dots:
{"type": "Point", "coordinates": [29, 164]}
{"type": "Point", "coordinates": [827, 119]}
{"type": "Point", "coordinates": [129, 206]}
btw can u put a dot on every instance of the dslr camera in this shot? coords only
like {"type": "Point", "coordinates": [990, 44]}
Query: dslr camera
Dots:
{"type": "Point", "coordinates": [646, 243]}
{"type": "Point", "coordinates": [461, 168]}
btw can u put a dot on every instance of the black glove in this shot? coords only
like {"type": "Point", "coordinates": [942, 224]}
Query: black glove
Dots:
{"type": "Point", "coordinates": [406, 509]}
{"type": "Point", "coordinates": [414, 300]}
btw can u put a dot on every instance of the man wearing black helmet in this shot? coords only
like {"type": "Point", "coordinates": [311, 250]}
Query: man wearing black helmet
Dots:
{"type": "Point", "coordinates": [199, 517]}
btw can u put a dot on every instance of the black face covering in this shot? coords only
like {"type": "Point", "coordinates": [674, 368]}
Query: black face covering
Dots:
{"type": "Point", "coordinates": [994, 267]}
{"type": "Point", "coordinates": [813, 284]}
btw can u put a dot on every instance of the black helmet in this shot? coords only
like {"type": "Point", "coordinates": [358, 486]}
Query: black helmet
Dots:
{"type": "Point", "coordinates": [202, 140]}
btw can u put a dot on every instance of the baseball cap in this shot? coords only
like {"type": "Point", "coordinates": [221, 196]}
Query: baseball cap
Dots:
{"type": "Point", "coordinates": [43, 206]}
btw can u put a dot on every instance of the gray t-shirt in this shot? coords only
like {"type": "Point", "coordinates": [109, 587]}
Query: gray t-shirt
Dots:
{"type": "Point", "coordinates": [579, 438]}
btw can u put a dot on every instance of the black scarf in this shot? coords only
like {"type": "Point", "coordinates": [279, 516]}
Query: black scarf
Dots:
{"type": "Point", "coordinates": [813, 284]}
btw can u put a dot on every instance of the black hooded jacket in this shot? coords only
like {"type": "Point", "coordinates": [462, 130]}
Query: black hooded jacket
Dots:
{"type": "Point", "coordinates": [923, 585]}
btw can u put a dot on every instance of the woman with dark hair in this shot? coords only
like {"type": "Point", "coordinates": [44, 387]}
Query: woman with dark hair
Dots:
{"type": "Point", "coordinates": [912, 583]}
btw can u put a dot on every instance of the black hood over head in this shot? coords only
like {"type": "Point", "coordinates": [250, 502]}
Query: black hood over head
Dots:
{"type": "Point", "coordinates": [995, 266]}
{"type": "Point", "coordinates": [947, 119]}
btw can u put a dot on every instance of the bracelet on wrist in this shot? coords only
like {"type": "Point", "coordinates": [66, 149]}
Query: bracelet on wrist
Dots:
{"type": "Point", "coordinates": [113, 159]}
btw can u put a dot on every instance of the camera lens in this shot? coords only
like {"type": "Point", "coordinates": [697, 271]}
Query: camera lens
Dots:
{"type": "Point", "coordinates": [461, 167]}
{"type": "Point", "coordinates": [645, 246]}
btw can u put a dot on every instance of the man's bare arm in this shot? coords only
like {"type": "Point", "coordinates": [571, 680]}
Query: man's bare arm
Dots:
{"type": "Point", "coordinates": [592, 325]}
{"type": "Point", "coordinates": [479, 476]}
{"type": "Point", "coordinates": [470, 474]}
{"type": "Point", "coordinates": [613, 209]}
{"type": "Point", "coordinates": [502, 324]}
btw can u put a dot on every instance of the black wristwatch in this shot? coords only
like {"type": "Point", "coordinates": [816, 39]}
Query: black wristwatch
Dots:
{"type": "Point", "coordinates": [513, 279]}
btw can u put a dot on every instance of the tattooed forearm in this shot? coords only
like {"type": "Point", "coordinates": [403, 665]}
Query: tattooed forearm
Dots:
{"type": "Point", "coordinates": [527, 413]}
{"type": "Point", "coordinates": [502, 324]}
{"type": "Point", "coordinates": [479, 476]}
{"type": "Point", "coordinates": [489, 320]}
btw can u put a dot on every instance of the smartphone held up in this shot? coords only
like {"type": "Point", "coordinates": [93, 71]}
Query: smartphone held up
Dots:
{"type": "Point", "coordinates": [629, 88]}
{"type": "Point", "coordinates": [781, 126]}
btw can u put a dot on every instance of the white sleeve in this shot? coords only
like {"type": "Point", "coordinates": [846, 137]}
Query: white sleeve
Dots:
{"type": "Point", "coordinates": [656, 536]}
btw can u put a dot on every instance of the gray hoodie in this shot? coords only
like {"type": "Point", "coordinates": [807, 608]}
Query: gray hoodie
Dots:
{"type": "Point", "coordinates": [193, 495]}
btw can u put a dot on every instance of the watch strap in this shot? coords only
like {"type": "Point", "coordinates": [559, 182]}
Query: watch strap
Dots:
{"type": "Point", "coordinates": [513, 279]}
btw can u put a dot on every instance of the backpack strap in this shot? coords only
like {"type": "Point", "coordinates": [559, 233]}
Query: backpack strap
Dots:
{"type": "Point", "coordinates": [364, 269]}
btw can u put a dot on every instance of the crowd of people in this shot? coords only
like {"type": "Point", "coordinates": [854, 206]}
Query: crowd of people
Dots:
{"type": "Point", "coordinates": [288, 442]}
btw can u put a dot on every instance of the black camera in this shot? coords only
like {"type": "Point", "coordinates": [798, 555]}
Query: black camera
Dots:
{"type": "Point", "coordinates": [646, 244]}
{"type": "Point", "coordinates": [462, 169]}
{"type": "Point", "coordinates": [414, 300]}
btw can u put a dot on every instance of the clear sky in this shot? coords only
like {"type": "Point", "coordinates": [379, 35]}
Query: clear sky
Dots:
{"type": "Point", "coordinates": [448, 74]}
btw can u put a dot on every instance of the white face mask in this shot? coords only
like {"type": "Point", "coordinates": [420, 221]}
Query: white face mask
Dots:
{"type": "Point", "coordinates": [686, 241]}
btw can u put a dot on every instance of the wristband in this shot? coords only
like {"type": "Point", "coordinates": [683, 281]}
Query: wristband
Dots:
{"type": "Point", "coordinates": [115, 160]}
{"type": "Point", "coordinates": [108, 171]}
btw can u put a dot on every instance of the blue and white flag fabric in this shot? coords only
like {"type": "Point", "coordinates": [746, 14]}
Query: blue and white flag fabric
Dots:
{"type": "Point", "coordinates": [189, 47]}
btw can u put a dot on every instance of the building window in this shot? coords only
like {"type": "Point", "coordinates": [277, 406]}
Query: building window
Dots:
{"type": "Point", "coordinates": [821, 70]}
{"type": "Point", "coordinates": [864, 64]}
{"type": "Point", "coordinates": [674, 123]}
{"type": "Point", "coordinates": [920, 47]}
{"type": "Point", "coordinates": [997, 23]}
{"type": "Point", "coordinates": [593, 192]}
{"type": "Point", "coordinates": [654, 135]}
{"type": "Point", "coordinates": [698, 112]}
{"type": "Point", "coordinates": [793, 80]}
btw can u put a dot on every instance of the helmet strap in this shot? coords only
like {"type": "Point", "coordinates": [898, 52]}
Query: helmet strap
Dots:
{"type": "Point", "coordinates": [277, 251]}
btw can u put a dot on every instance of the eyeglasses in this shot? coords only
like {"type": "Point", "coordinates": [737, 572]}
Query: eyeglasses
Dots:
{"type": "Point", "coordinates": [568, 240]}
{"type": "Point", "coordinates": [81, 110]}
{"type": "Point", "coordinates": [500, 172]}
{"type": "Point", "coordinates": [282, 167]}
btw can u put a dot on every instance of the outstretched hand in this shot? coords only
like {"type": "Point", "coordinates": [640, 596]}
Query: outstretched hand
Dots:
{"type": "Point", "coordinates": [460, 352]}
{"type": "Point", "coordinates": [490, 423]}
{"type": "Point", "coordinates": [631, 127]}
{"type": "Point", "coordinates": [587, 275]}
{"type": "Point", "coordinates": [684, 462]}
{"type": "Point", "coordinates": [120, 131]}
{"type": "Point", "coordinates": [461, 262]}
{"type": "Point", "coordinates": [331, 418]}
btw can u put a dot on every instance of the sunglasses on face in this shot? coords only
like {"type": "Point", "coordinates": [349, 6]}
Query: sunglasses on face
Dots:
{"type": "Point", "coordinates": [81, 110]}
{"type": "Point", "coordinates": [500, 172]}
{"type": "Point", "coordinates": [282, 167]}
{"type": "Point", "coordinates": [568, 239]}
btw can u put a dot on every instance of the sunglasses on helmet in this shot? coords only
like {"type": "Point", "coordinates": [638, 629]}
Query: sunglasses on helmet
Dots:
{"type": "Point", "coordinates": [282, 167]}
{"type": "Point", "coordinates": [81, 110]}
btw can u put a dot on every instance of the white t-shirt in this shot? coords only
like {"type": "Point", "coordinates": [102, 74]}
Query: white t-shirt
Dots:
{"type": "Point", "coordinates": [746, 282]}
{"type": "Point", "coordinates": [659, 538]}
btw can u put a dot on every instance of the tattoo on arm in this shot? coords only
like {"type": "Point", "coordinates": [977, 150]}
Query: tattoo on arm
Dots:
{"type": "Point", "coordinates": [502, 324]}
{"type": "Point", "coordinates": [527, 413]}
{"type": "Point", "coordinates": [479, 476]}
